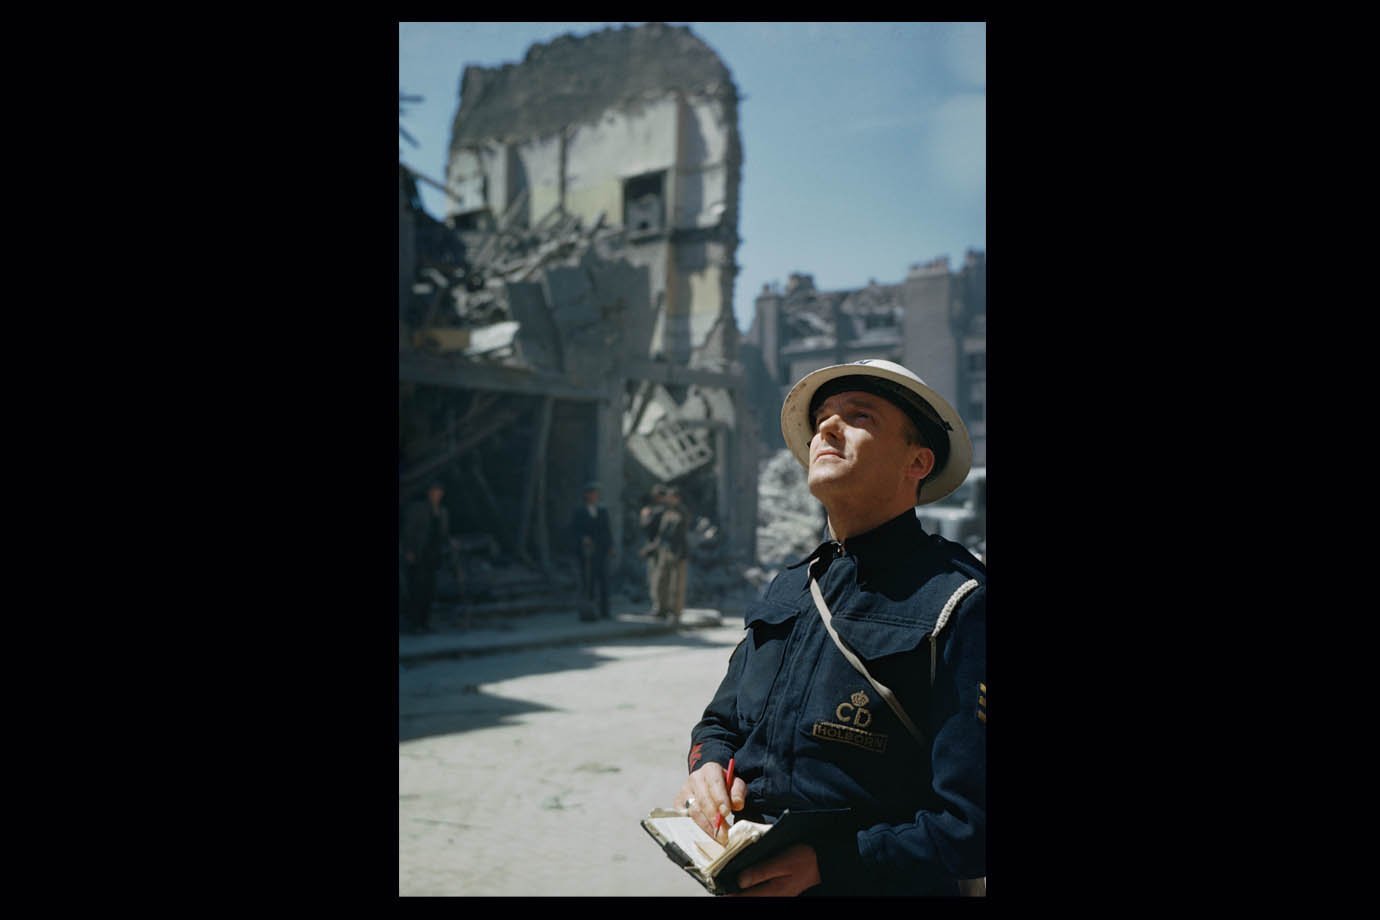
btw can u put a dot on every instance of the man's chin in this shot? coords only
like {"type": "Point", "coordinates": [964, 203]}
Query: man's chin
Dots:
{"type": "Point", "coordinates": [822, 479]}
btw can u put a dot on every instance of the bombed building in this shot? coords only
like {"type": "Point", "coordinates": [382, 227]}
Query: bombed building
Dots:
{"type": "Point", "coordinates": [571, 317]}
{"type": "Point", "coordinates": [934, 322]}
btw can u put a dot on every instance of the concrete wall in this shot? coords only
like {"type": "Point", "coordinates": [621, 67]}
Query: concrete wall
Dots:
{"type": "Point", "coordinates": [610, 458]}
{"type": "Point", "coordinates": [695, 300]}
{"type": "Point", "coordinates": [541, 162]}
{"type": "Point", "coordinates": [930, 348]}
{"type": "Point", "coordinates": [623, 144]}
{"type": "Point", "coordinates": [689, 141]}
{"type": "Point", "coordinates": [767, 324]}
{"type": "Point", "coordinates": [488, 177]}
{"type": "Point", "coordinates": [465, 179]}
{"type": "Point", "coordinates": [703, 189]}
{"type": "Point", "coordinates": [975, 396]}
{"type": "Point", "coordinates": [598, 158]}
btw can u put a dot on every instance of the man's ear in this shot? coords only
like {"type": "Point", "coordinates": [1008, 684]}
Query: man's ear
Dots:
{"type": "Point", "coordinates": [922, 462]}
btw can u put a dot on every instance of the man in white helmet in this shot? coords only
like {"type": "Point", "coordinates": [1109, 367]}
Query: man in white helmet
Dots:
{"type": "Point", "coordinates": [861, 683]}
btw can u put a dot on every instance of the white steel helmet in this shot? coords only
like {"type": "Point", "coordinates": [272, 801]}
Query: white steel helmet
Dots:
{"type": "Point", "coordinates": [941, 426]}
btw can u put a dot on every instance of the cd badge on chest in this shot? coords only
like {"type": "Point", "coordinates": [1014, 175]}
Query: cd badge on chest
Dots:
{"type": "Point", "coordinates": [851, 728]}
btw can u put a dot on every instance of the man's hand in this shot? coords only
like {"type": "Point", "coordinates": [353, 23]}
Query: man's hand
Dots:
{"type": "Point", "coordinates": [711, 797]}
{"type": "Point", "coordinates": [784, 875]}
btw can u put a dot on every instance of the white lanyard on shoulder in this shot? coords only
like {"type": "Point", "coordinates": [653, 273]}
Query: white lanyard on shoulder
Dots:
{"type": "Point", "coordinates": [885, 692]}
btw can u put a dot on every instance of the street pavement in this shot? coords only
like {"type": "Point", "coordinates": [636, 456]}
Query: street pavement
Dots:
{"type": "Point", "coordinates": [543, 630]}
{"type": "Point", "coordinates": [531, 747]}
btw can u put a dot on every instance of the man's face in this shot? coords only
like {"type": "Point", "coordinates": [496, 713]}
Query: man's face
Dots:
{"type": "Point", "coordinates": [435, 495]}
{"type": "Point", "coordinates": [591, 496]}
{"type": "Point", "coordinates": [859, 450]}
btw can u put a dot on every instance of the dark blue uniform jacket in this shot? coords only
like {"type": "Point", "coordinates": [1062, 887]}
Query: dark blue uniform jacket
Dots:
{"type": "Point", "coordinates": [808, 731]}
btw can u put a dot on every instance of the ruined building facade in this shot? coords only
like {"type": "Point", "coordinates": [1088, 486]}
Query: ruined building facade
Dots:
{"type": "Point", "coordinates": [581, 326]}
{"type": "Point", "coordinates": [934, 322]}
{"type": "Point", "coordinates": [633, 127]}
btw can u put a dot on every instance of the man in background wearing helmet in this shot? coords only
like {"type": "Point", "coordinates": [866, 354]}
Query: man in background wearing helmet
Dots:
{"type": "Point", "coordinates": [672, 554]}
{"type": "Point", "coordinates": [649, 518]}
{"type": "Point", "coordinates": [860, 684]}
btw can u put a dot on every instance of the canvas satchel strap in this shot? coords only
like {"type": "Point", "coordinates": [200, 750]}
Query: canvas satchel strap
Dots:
{"type": "Point", "coordinates": [856, 662]}
{"type": "Point", "coordinates": [975, 887]}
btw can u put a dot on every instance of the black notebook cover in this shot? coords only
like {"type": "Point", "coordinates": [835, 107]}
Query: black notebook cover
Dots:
{"type": "Point", "coordinates": [791, 828]}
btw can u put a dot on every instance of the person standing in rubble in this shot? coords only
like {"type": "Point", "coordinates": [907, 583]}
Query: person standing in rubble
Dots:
{"type": "Point", "coordinates": [593, 537]}
{"type": "Point", "coordinates": [672, 558]}
{"type": "Point", "coordinates": [649, 519]}
{"type": "Point", "coordinates": [861, 684]}
{"type": "Point", "coordinates": [425, 542]}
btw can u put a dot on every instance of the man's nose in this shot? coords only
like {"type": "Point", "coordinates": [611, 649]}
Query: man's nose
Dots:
{"type": "Point", "coordinates": [830, 426]}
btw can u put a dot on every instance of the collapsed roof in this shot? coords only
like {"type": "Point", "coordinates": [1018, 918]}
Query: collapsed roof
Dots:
{"type": "Point", "coordinates": [575, 79]}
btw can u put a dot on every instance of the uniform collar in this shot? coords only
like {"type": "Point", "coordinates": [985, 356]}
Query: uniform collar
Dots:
{"type": "Point", "coordinates": [880, 546]}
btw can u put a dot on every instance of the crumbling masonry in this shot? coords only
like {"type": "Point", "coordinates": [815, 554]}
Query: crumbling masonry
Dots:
{"type": "Point", "coordinates": [934, 322]}
{"type": "Point", "coordinates": [571, 318]}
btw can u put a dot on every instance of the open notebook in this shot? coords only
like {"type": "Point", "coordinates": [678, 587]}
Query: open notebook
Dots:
{"type": "Point", "coordinates": [717, 867]}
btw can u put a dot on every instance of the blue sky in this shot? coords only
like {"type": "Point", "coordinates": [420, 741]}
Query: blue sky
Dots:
{"type": "Point", "coordinates": [864, 143]}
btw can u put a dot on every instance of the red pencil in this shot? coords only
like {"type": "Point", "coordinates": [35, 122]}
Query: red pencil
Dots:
{"type": "Point", "coordinates": [719, 819]}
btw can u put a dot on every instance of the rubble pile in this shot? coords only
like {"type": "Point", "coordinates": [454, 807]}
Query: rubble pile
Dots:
{"type": "Point", "coordinates": [479, 582]}
{"type": "Point", "coordinates": [516, 253]}
{"type": "Point", "coordinates": [480, 304]}
{"type": "Point", "coordinates": [874, 316]}
{"type": "Point", "coordinates": [790, 520]}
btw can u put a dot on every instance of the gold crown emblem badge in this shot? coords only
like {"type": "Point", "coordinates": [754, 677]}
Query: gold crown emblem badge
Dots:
{"type": "Point", "coordinates": [859, 699]}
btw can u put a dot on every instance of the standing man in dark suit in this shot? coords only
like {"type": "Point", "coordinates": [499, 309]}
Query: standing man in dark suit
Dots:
{"type": "Point", "coordinates": [425, 540]}
{"type": "Point", "coordinates": [593, 538]}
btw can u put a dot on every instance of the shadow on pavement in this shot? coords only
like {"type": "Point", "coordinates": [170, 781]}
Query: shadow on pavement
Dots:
{"type": "Point", "coordinates": [458, 711]}
{"type": "Point", "coordinates": [446, 697]}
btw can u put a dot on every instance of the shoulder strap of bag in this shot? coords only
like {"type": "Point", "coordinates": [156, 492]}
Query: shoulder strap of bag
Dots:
{"type": "Point", "coordinates": [882, 690]}
{"type": "Point", "coordinates": [856, 662]}
{"type": "Point", "coordinates": [974, 887]}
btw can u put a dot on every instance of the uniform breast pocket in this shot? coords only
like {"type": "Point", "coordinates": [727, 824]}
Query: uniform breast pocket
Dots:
{"type": "Point", "coordinates": [843, 706]}
{"type": "Point", "coordinates": [769, 629]}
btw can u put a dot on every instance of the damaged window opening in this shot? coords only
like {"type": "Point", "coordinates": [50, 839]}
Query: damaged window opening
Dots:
{"type": "Point", "coordinates": [643, 197]}
{"type": "Point", "coordinates": [474, 220]}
